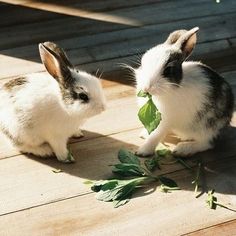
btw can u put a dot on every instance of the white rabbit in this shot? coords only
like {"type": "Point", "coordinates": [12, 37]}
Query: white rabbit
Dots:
{"type": "Point", "coordinates": [40, 112]}
{"type": "Point", "coordinates": [195, 102]}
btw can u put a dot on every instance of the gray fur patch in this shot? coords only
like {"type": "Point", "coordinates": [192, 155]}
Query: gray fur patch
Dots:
{"type": "Point", "coordinates": [67, 94]}
{"type": "Point", "coordinates": [218, 108]}
{"type": "Point", "coordinates": [15, 83]}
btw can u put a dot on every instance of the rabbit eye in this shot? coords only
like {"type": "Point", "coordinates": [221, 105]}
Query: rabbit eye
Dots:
{"type": "Point", "coordinates": [83, 97]}
{"type": "Point", "coordinates": [173, 72]}
{"type": "Point", "coordinates": [80, 96]}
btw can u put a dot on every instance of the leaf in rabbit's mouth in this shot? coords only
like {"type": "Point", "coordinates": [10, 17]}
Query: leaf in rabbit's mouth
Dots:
{"type": "Point", "coordinates": [148, 114]}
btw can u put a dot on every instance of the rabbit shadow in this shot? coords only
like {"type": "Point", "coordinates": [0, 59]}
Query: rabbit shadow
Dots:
{"type": "Point", "coordinates": [218, 165]}
{"type": "Point", "coordinates": [94, 154]}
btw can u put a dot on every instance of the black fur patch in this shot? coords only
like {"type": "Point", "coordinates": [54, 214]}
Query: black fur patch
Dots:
{"type": "Point", "coordinates": [69, 95]}
{"type": "Point", "coordinates": [173, 68]}
{"type": "Point", "coordinates": [218, 108]}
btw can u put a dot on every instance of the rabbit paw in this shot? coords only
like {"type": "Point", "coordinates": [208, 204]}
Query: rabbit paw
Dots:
{"type": "Point", "coordinates": [145, 151]}
{"type": "Point", "coordinates": [68, 159]}
{"type": "Point", "coordinates": [186, 149]}
{"type": "Point", "coordinates": [78, 134]}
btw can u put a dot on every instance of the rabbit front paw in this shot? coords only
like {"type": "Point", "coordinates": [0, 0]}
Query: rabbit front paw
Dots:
{"type": "Point", "coordinates": [78, 134]}
{"type": "Point", "coordinates": [68, 159]}
{"type": "Point", "coordinates": [145, 151]}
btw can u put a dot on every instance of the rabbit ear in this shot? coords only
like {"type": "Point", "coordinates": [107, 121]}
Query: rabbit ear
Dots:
{"type": "Point", "coordinates": [174, 36]}
{"type": "Point", "coordinates": [187, 42]}
{"type": "Point", "coordinates": [56, 62]}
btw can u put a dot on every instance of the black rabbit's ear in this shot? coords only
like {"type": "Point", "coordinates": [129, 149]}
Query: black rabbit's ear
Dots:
{"type": "Point", "coordinates": [56, 62]}
{"type": "Point", "coordinates": [187, 42]}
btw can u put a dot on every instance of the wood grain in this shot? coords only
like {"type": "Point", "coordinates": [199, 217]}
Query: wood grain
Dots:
{"type": "Point", "coordinates": [101, 34]}
{"type": "Point", "coordinates": [224, 229]}
{"type": "Point", "coordinates": [155, 213]}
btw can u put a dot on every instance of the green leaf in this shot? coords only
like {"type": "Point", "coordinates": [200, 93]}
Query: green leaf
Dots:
{"type": "Point", "coordinates": [163, 152]}
{"type": "Point", "coordinates": [126, 191]}
{"type": "Point", "coordinates": [152, 164]}
{"type": "Point", "coordinates": [104, 185]}
{"type": "Point", "coordinates": [88, 182]}
{"type": "Point", "coordinates": [211, 199]}
{"type": "Point", "coordinates": [143, 94]}
{"type": "Point", "coordinates": [70, 158]}
{"type": "Point", "coordinates": [168, 182]}
{"type": "Point", "coordinates": [118, 203]}
{"type": "Point", "coordinates": [149, 116]}
{"type": "Point", "coordinates": [57, 171]}
{"type": "Point", "coordinates": [126, 169]}
{"type": "Point", "coordinates": [117, 191]}
{"type": "Point", "coordinates": [197, 178]}
{"type": "Point", "coordinates": [167, 189]}
{"type": "Point", "coordinates": [128, 157]}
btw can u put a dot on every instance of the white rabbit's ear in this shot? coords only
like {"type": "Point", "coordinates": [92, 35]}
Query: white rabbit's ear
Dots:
{"type": "Point", "coordinates": [56, 62]}
{"type": "Point", "coordinates": [174, 36]}
{"type": "Point", "coordinates": [187, 41]}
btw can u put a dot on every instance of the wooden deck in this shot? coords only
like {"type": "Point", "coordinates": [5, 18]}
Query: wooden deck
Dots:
{"type": "Point", "coordinates": [101, 34]}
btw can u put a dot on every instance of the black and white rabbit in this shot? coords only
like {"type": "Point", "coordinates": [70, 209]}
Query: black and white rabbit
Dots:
{"type": "Point", "coordinates": [40, 112]}
{"type": "Point", "coordinates": [195, 102]}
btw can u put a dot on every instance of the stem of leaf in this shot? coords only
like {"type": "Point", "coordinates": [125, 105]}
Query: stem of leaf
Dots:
{"type": "Point", "coordinates": [196, 181]}
{"type": "Point", "coordinates": [223, 206]}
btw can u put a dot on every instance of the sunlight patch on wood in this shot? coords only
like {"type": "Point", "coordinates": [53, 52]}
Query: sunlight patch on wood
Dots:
{"type": "Point", "coordinates": [67, 10]}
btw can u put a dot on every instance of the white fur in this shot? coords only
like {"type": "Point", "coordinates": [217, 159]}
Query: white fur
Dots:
{"type": "Point", "coordinates": [37, 117]}
{"type": "Point", "coordinates": [178, 105]}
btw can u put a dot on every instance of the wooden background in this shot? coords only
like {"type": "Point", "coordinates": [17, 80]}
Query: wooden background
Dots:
{"type": "Point", "coordinates": [101, 35]}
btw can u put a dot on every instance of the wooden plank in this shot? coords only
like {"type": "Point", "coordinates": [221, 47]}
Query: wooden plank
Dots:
{"type": "Point", "coordinates": [125, 18]}
{"type": "Point", "coordinates": [175, 213]}
{"type": "Point", "coordinates": [93, 159]}
{"type": "Point", "coordinates": [223, 229]}
{"type": "Point", "coordinates": [114, 46]}
{"type": "Point", "coordinates": [216, 51]}
{"type": "Point", "coordinates": [22, 12]}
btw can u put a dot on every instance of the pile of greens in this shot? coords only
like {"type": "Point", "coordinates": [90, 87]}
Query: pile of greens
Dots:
{"type": "Point", "coordinates": [130, 176]}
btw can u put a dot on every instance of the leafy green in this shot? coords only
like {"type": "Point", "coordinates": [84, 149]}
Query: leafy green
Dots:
{"type": "Point", "coordinates": [166, 157]}
{"type": "Point", "coordinates": [126, 169]}
{"type": "Point", "coordinates": [129, 164]}
{"type": "Point", "coordinates": [88, 182]}
{"type": "Point", "coordinates": [148, 114]}
{"type": "Point", "coordinates": [70, 158]}
{"type": "Point", "coordinates": [168, 182]}
{"type": "Point", "coordinates": [211, 199]}
{"type": "Point", "coordinates": [57, 171]}
{"type": "Point", "coordinates": [213, 203]}
{"type": "Point", "coordinates": [167, 189]}
{"type": "Point", "coordinates": [143, 94]}
{"type": "Point", "coordinates": [127, 157]}
{"type": "Point", "coordinates": [152, 164]}
{"type": "Point", "coordinates": [197, 178]}
{"type": "Point", "coordinates": [163, 152]}
{"type": "Point", "coordinates": [119, 191]}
